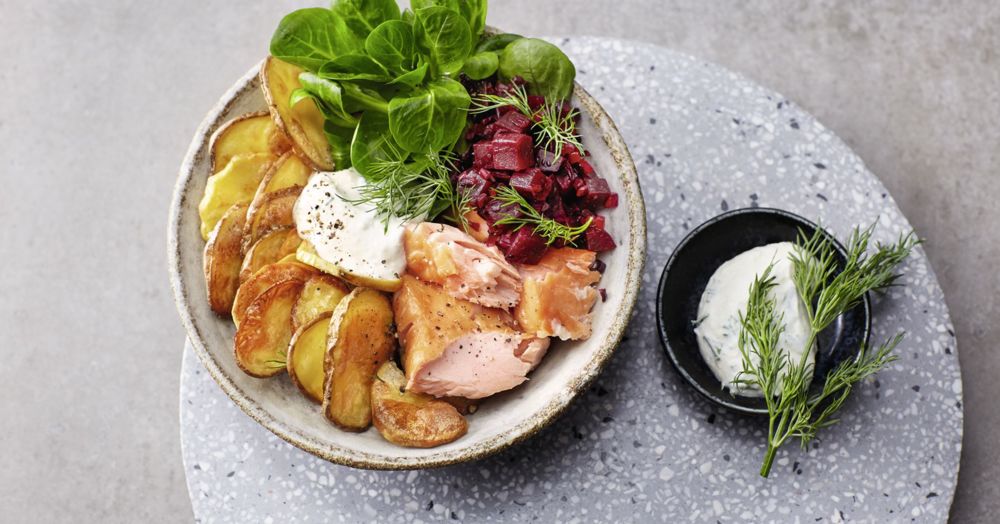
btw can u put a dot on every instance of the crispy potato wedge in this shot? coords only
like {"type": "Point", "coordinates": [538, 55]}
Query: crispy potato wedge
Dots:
{"type": "Point", "coordinates": [261, 342]}
{"type": "Point", "coordinates": [412, 419]}
{"type": "Point", "coordinates": [274, 211]}
{"type": "Point", "coordinates": [247, 134]}
{"type": "Point", "coordinates": [303, 123]}
{"type": "Point", "coordinates": [360, 340]}
{"type": "Point", "coordinates": [222, 260]}
{"type": "Point", "coordinates": [306, 254]}
{"type": "Point", "coordinates": [306, 353]}
{"type": "Point", "coordinates": [235, 184]}
{"type": "Point", "coordinates": [268, 276]}
{"type": "Point", "coordinates": [320, 295]}
{"type": "Point", "coordinates": [272, 247]}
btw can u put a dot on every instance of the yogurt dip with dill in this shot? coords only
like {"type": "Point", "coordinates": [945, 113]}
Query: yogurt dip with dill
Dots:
{"type": "Point", "coordinates": [724, 300]}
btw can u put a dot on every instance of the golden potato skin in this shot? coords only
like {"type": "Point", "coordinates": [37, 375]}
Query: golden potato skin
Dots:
{"type": "Point", "coordinates": [222, 260]}
{"type": "Point", "coordinates": [320, 295]}
{"type": "Point", "coordinates": [247, 134]}
{"type": "Point", "coordinates": [360, 340]}
{"type": "Point", "coordinates": [306, 353]}
{"type": "Point", "coordinates": [302, 123]}
{"type": "Point", "coordinates": [412, 419]}
{"type": "Point", "coordinates": [273, 211]}
{"type": "Point", "coordinates": [261, 281]}
{"type": "Point", "coordinates": [268, 250]}
{"type": "Point", "coordinates": [261, 341]}
{"type": "Point", "coordinates": [234, 184]}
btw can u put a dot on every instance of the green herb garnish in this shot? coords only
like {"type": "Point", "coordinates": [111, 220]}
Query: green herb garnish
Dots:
{"type": "Point", "coordinates": [555, 129]}
{"type": "Point", "coordinates": [547, 228]}
{"type": "Point", "coordinates": [793, 411]}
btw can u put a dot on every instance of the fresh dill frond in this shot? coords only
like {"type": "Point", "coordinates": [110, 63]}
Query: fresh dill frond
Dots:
{"type": "Point", "coordinates": [526, 215]}
{"type": "Point", "coordinates": [555, 130]}
{"type": "Point", "coordinates": [417, 189]}
{"type": "Point", "coordinates": [793, 411]}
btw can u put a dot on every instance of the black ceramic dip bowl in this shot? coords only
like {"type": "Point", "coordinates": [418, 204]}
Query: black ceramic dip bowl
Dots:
{"type": "Point", "coordinates": [694, 261]}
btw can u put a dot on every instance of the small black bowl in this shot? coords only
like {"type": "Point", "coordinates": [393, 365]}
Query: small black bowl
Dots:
{"type": "Point", "coordinates": [694, 261]}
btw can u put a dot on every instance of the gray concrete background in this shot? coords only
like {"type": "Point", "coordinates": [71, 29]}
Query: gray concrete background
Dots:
{"type": "Point", "coordinates": [99, 102]}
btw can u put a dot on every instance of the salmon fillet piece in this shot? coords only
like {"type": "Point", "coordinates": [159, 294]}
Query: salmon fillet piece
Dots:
{"type": "Point", "coordinates": [453, 347]}
{"type": "Point", "coordinates": [464, 266]}
{"type": "Point", "coordinates": [558, 295]}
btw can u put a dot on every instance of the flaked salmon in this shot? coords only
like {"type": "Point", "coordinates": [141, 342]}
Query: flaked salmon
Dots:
{"type": "Point", "coordinates": [558, 295]}
{"type": "Point", "coordinates": [464, 266]}
{"type": "Point", "coordinates": [453, 347]}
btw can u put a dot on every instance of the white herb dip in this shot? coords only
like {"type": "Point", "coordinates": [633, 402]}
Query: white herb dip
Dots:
{"type": "Point", "coordinates": [725, 299]}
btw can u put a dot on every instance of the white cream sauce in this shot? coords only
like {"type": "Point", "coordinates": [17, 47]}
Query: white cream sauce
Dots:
{"type": "Point", "coordinates": [725, 299]}
{"type": "Point", "coordinates": [350, 236]}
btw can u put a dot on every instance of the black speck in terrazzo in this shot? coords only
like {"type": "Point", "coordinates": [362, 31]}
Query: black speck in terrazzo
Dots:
{"type": "Point", "coordinates": [737, 121]}
{"type": "Point", "coordinates": [726, 457]}
{"type": "Point", "coordinates": [682, 196]}
{"type": "Point", "coordinates": [781, 104]}
{"type": "Point", "coordinates": [819, 165]}
{"type": "Point", "coordinates": [947, 350]}
{"type": "Point", "coordinates": [711, 418]}
{"type": "Point", "coordinates": [793, 123]}
{"type": "Point", "coordinates": [636, 444]}
{"type": "Point", "coordinates": [931, 495]}
{"type": "Point", "coordinates": [918, 484]}
{"type": "Point", "coordinates": [916, 388]}
{"type": "Point", "coordinates": [650, 159]}
{"type": "Point", "coordinates": [454, 516]}
{"type": "Point", "coordinates": [822, 197]}
{"type": "Point", "coordinates": [576, 433]}
{"type": "Point", "coordinates": [197, 467]}
{"type": "Point", "coordinates": [430, 505]}
{"type": "Point", "coordinates": [601, 391]}
{"type": "Point", "coordinates": [753, 196]}
{"type": "Point", "coordinates": [605, 420]}
{"type": "Point", "coordinates": [652, 121]}
{"type": "Point", "coordinates": [725, 205]}
{"type": "Point", "coordinates": [951, 333]}
{"type": "Point", "coordinates": [230, 474]}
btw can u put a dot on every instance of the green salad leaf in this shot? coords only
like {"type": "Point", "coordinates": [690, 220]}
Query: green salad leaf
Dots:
{"type": "Point", "coordinates": [546, 69]}
{"type": "Point", "coordinates": [311, 37]}
{"type": "Point", "coordinates": [430, 118]}
{"type": "Point", "coordinates": [481, 65]}
{"type": "Point", "coordinates": [354, 67]}
{"type": "Point", "coordinates": [496, 42]}
{"type": "Point", "coordinates": [444, 36]}
{"type": "Point", "coordinates": [391, 45]}
{"type": "Point", "coordinates": [363, 16]}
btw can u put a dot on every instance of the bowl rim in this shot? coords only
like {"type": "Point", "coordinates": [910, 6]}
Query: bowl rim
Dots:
{"type": "Point", "coordinates": [635, 262]}
{"type": "Point", "coordinates": [661, 329]}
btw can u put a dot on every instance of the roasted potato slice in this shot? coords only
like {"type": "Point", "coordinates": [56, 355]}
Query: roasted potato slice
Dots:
{"type": "Point", "coordinates": [247, 134]}
{"type": "Point", "coordinates": [235, 184]}
{"type": "Point", "coordinates": [360, 339]}
{"type": "Point", "coordinates": [306, 254]}
{"type": "Point", "coordinates": [273, 211]}
{"type": "Point", "coordinates": [261, 342]}
{"type": "Point", "coordinates": [320, 295]}
{"type": "Point", "coordinates": [272, 247]}
{"type": "Point", "coordinates": [306, 353]}
{"type": "Point", "coordinates": [287, 171]}
{"type": "Point", "coordinates": [303, 123]}
{"type": "Point", "coordinates": [222, 260]}
{"type": "Point", "coordinates": [412, 419]}
{"type": "Point", "coordinates": [255, 286]}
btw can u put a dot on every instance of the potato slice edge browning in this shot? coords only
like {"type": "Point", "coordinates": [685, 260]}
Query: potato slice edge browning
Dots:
{"type": "Point", "coordinates": [222, 260]}
{"type": "Point", "coordinates": [261, 341]}
{"type": "Point", "coordinates": [306, 353]}
{"type": "Point", "coordinates": [302, 123]}
{"type": "Point", "coordinates": [412, 419]}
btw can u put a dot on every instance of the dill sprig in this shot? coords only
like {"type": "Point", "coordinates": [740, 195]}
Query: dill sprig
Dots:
{"type": "Point", "coordinates": [545, 227]}
{"type": "Point", "coordinates": [413, 190]}
{"type": "Point", "coordinates": [555, 130]}
{"type": "Point", "coordinates": [793, 411]}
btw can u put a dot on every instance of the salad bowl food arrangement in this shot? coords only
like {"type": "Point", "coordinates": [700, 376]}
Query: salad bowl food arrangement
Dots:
{"type": "Point", "coordinates": [426, 225]}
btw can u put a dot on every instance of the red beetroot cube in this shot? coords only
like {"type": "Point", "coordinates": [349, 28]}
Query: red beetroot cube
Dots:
{"type": "Point", "coordinates": [482, 154]}
{"type": "Point", "coordinates": [476, 184]}
{"type": "Point", "coordinates": [547, 161]}
{"type": "Point", "coordinates": [511, 152]}
{"type": "Point", "coordinates": [512, 122]}
{"type": "Point", "coordinates": [598, 222]}
{"type": "Point", "coordinates": [495, 210]}
{"type": "Point", "coordinates": [596, 192]}
{"type": "Point", "coordinates": [525, 246]}
{"type": "Point", "coordinates": [599, 240]}
{"type": "Point", "coordinates": [612, 201]}
{"type": "Point", "coordinates": [532, 183]}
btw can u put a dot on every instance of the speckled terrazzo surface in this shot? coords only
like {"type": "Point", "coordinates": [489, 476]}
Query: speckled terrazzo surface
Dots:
{"type": "Point", "coordinates": [641, 445]}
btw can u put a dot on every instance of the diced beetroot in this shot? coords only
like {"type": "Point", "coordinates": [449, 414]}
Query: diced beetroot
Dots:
{"type": "Point", "coordinates": [599, 240]}
{"type": "Point", "coordinates": [512, 122]}
{"type": "Point", "coordinates": [596, 193]}
{"type": "Point", "coordinates": [536, 101]}
{"type": "Point", "coordinates": [586, 168]}
{"type": "Point", "coordinates": [598, 222]}
{"type": "Point", "coordinates": [532, 183]}
{"type": "Point", "coordinates": [482, 154]}
{"type": "Point", "coordinates": [495, 210]}
{"type": "Point", "coordinates": [573, 154]}
{"type": "Point", "coordinates": [476, 184]}
{"type": "Point", "coordinates": [525, 246]}
{"type": "Point", "coordinates": [612, 201]}
{"type": "Point", "coordinates": [547, 161]}
{"type": "Point", "coordinates": [509, 151]}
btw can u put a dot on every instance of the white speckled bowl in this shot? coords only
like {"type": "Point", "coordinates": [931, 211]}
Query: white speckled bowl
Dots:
{"type": "Point", "coordinates": [501, 421]}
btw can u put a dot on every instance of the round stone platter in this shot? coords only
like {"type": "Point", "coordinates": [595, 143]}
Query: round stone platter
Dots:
{"type": "Point", "coordinates": [641, 445]}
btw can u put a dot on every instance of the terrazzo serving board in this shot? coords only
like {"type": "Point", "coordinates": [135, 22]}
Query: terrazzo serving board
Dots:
{"type": "Point", "coordinates": [641, 445]}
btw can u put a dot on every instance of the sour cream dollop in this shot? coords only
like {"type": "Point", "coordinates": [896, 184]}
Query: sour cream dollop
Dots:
{"type": "Point", "coordinates": [348, 235]}
{"type": "Point", "coordinates": [725, 299]}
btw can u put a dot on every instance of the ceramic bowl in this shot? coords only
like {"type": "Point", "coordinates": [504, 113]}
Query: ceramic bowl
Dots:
{"type": "Point", "coordinates": [694, 261]}
{"type": "Point", "coordinates": [501, 421]}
